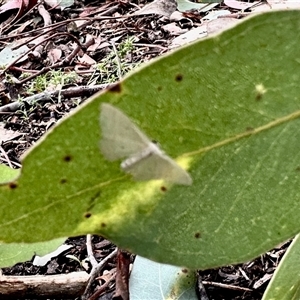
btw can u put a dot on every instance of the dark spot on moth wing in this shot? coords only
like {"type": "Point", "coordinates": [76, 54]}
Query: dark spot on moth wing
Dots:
{"type": "Point", "coordinates": [179, 77]}
{"type": "Point", "coordinates": [67, 158]}
{"type": "Point", "coordinates": [12, 185]}
{"type": "Point", "coordinates": [115, 88]}
{"type": "Point", "coordinates": [87, 215]}
{"type": "Point", "coordinates": [63, 180]}
{"type": "Point", "coordinates": [197, 235]}
{"type": "Point", "coordinates": [163, 188]}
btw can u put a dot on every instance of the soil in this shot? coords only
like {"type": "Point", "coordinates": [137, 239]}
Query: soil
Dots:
{"type": "Point", "coordinates": [34, 118]}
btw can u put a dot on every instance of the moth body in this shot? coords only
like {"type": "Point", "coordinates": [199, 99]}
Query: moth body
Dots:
{"type": "Point", "coordinates": [136, 158]}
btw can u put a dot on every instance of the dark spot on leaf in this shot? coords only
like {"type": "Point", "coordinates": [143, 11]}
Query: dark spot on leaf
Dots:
{"type": "Point", "coordinates": [68, 158]}
{"type": "Point", "coordinates": [159, 88]}
{"type": "Point", "coordinates": [197, 235]}
{"type": "Point", "coordinates": [92, 200]}
{"type": "Point", "coordinates": [184, 270]}
{"type": "Point", "coordinates": [249, 128]}
{"type": "Point", "coordinates": [258, 97]}
{"type": "Point", "coordinates": [63, 180]}
{"type": "Point", "coordinates": [260, 91]}
{"type": "Point", "coordinates": [116, 88]}
{"type": "Point", "coordinates": [298, 169]}
{"type": "Point", "coordinates": [163, 188]}
{"type": "Point", "coordinates": [95, 196]}
{"type": "Point", "coordinates": [13, 185]}
{"type": "Point", "coordinates": [178, 77]}
{"type": "Point", "coordinates": [87, 215]}
{"type": "Point", "coordinates": [103, 225]}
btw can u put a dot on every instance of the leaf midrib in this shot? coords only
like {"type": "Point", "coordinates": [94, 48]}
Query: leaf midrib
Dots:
{"type": "Point", "coordinates": [242, 135]}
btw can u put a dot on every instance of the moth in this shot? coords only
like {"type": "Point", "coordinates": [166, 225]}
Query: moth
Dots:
{"type": "Point", "coordinates": [144, 160]}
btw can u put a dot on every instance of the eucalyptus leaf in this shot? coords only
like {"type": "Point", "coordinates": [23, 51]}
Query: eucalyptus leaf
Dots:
{"type": "Point", "coordinates": [12, 253]}
{"type": "Point", "coordinates": [285, 283]}
{"type": "Point", "coordinates": [226, 109]}
{"type": "Point", "coordinates": [8, 174]}
{"type": "Point", "coordinates": [151, 280]}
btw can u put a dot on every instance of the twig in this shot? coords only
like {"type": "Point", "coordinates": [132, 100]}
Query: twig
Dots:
{"type": "Point", "coordinates": [60, 24]}
{"type": "Point", "coordinates": [23, 287]}
{"type": "Point", "coordinates": [12, 162]}
{"type": "Point", "coordinates": [89, 249]}
{"type": "Point", "coordinates": [5, 155]}
{"type": "Point", "coordinates": [95, 271]}
{"type": "Point", "coordinates": [101, 289]}
{"type": "Point", "coordinates": [201, 289]}
{"type": "Point", "coordinates": [33, 47]}
{"type": "Point", "coordinates": [122, 277]}
{"type": "Point", "coordinates": [47, 96]}
{"type": "Point", "coordinates": [20, 16]}
{"type": "Point", "coordinates": [227, 286]}
{"type": "Point", "coordinates": [150, 46]}
{"type": "Point", "coordinates": [244, 274]}
{"type": "Point", "coordinates": [67, 60]}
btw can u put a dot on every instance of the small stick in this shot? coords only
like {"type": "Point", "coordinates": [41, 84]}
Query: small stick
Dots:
{"type": "Point", "coordinates": [89, 249]}
{"type": "Point", "coordinates": [5, 155]}
{"type": "Point", "coordinates": [95, 271]}
{"type": "Point", "coordinates": [227, 286]}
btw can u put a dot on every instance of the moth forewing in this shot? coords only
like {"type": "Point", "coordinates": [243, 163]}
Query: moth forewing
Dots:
{"type": "Point", "coordinates": [122, 138]}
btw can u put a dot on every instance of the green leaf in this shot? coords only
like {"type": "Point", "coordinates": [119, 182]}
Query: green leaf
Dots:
{"type": "Point", "coordinates": [151, 280]}
{"type": "Point", "coordinates": [227, 109]}
{"type": "Point", "coordinates": [13, 253]}
{"type": "Point", "coordinates": [285, 283]}
{"type": "Point", "coordinates": [8, 174]}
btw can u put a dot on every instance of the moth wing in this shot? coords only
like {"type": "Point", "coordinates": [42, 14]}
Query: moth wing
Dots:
{"type": "Point", "coordinates": [159, 166]}
{"type": "Point", "coordinates": [120, 137]}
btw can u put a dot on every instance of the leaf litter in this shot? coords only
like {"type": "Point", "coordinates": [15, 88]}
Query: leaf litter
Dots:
{"type": "Point", "coordinates": [55, 55]}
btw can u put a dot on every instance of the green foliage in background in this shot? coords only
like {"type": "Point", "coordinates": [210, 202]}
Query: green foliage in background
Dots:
{"type": "Point", "coordinates": [285, 283]}
{"type": "Point", "coordinates": [18, 252]}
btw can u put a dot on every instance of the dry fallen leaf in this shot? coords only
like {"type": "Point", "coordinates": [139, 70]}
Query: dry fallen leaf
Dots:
{"type": "Point", "coordinates": [7, 134]}
{"type": "Point", "coordinates": [158, 7]}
